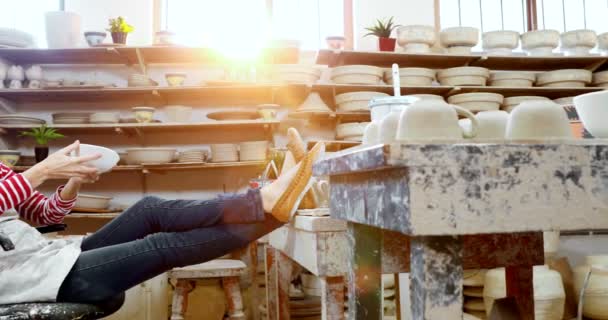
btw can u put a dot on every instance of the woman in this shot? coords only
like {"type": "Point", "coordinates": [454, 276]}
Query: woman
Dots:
{"type": "Point", "coordinates": [151, 237]}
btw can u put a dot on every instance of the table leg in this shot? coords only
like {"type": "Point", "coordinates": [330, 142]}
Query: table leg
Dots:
{"type": "Point", "coordinates": [365, 272]}
{"type": "Point", "coordinates": [520, 287]}
{"type": "Point", "coordinates": [436, 278]}
{"type": "Point", "coordinates": [278, 280]}
{"type": "Point", "coordinates": [232, 291]}
{"type": "Point", "coordinates": [179, 306]}
{"type": "Point", "coordinates": [332, 298]}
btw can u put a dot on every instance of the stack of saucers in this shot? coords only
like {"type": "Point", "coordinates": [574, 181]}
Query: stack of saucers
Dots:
{"type": "Point", "coordinates": [71, 118]}
{"type": "Point", "coordinates": [192, 156]}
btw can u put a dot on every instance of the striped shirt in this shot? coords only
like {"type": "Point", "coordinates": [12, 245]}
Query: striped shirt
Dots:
{"type": "Point", "coordinates": [17, 193]}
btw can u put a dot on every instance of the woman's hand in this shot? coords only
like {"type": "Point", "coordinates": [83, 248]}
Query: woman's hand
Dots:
{"type": "Point", "coordinates": [60, 165]}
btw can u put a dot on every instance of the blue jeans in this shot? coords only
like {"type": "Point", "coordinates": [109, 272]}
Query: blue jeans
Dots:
{"type": "Point", "coordinates": [156, 235]}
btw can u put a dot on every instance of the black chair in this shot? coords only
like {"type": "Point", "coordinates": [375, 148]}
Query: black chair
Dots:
{"type": "Point", "coordinates": [56, 310]}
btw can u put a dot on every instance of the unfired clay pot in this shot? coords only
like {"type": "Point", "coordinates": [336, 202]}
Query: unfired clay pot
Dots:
{"type": "Point", "coordinates": [596, 293]}
{"type": "Point", "coordinates": [357, 74]}
{"type": "Point", "coordinates": [416, 38]}
{"type": "Point", "coordinates": [463, 76]}
{"type": "Point", "coordinates": [564, 78]}
{"type": "Point", "coordinates": [540, 42]}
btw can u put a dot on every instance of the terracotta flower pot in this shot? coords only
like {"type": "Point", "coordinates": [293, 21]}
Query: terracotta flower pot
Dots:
{"type": "Point", "coordinates": [119, 37]}
{"type": "Point", "coordinates": [41, 152]}
{"type": "Point", "coordinates": [387, 44]}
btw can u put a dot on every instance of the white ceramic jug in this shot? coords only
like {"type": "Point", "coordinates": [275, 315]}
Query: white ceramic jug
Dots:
{"type": "Point", "coordinates": [434, 119]}
{"type": "Point", "coordinates": [538, 119]}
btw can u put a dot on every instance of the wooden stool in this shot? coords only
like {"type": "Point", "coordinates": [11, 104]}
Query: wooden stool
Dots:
{"type": "Point", "coordinates": [185, 280]}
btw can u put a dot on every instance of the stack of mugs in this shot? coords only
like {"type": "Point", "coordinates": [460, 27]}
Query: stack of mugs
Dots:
{"type": "Point", "coordinates": [473, 284]}
{"type": "Point", "coordinates": [192, 156]}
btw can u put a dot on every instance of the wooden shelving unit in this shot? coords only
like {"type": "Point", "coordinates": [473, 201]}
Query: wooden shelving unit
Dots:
{"type": "Point", "coordinates": [442, 61]}
{"type": "Point", "coordinates": [146, 168]}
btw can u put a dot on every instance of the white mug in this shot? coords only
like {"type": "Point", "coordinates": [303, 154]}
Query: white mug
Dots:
{"type": "Point", "coordinates": [434, 119]}
{"type": "Point", "coordinates": [492, 124]}
{"type": "Point", "coordinates": [538, 119]}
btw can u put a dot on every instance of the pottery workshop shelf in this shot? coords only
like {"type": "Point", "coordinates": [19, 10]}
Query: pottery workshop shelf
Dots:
{"type": "Point", "coordinates": [442, 61]}
{"type": "Point", "coordinates": [145, 127]}
{"type": "Point", "coordinates": [146, 168]}
{"type": "Point", "coordinates": [129, 56]}
{"type": "Point", "coordinates": [460, 206]}
{"type": "Point", "coordinates": [211, 95]}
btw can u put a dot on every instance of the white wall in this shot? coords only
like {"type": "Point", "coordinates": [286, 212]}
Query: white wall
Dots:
{"type": "Point", "coordinates": [405, 12]}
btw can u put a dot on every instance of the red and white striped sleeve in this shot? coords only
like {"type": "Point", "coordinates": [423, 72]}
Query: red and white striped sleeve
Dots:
{"type": "Point", "coordinates": [17, 193]}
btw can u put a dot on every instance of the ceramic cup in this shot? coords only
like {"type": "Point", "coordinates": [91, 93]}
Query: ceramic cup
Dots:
{"type": "Point", "coordinates": [434, 119]}
{"type": "Point", "coordinates": [538, 119]}
{"type": "Point", "coordinates": [492, 124]}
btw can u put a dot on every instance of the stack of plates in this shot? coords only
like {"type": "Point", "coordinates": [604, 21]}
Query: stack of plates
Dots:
{"type": "Point", "coordinates": [104, 117]}
{"type": "Point", "coordinates": [12, 38]}
{"type": "Point", "coordinates": [71, 118]}
{"type": "Point", "coordinates": [227, 152]}
{"type": "Point", "coordinates": [19, 119]}
{"type": "Point", "coordinates": [192, 156]}
{"type": "Point", "coordinates": [141, 80]}
{"type": "Point", "coordinates": [253, 150]}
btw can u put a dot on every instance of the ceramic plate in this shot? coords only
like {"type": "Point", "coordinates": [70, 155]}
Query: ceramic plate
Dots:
{"type": "Point", "coordinates": [233, 115]}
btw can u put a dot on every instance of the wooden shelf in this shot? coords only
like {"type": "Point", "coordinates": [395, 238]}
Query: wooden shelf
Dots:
{"type": "Point", "coordinates": [442, 61]}
{"type": "Point", "coordinates": [549, 92]}
{"type": "Point", "coordinates": [176, 166]}
{"type": "Point", "coordinates": [144, 127]}
{"type": "Point", "coordinates": [339, 116]}
{"type": "Point", "coordinates": [330, 89]}
{"type": "Point", "coordinates": [128, 55]}
{"type": "Point", "coordinates": [92, 215]}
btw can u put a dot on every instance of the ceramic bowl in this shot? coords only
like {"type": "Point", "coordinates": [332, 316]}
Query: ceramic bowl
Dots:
{"type": "Point", "coordinates": [9, 157]}
{"type": "Point", "coordinates": [459, 37]}
{"type": "Point", "coordinates": [512, 79]}
{"type": "Point", "coordinates": [351, 131]}
{"type": "Point", "coordinates": [578, 42]}
{"type": "Point", "coordinates": [540, 42]}
{"type": "Point", "coordinates": [224, 152]}
{"type": "Point", "coordinates": [357, 74]}
{"type": "Point", "coordinates": [416, 38]}
{"type": "Point", "coordinates": [600, 79]}
{"type": "Point", "coordinates": [602, 41]}
{"type": "Point", "coordinates": [178, 113]}
{"type": "Point", "coordinates": [564, 78]}
{"type": "Point", "coordinates": [463, 76]}
{"type": "Point", "coordinates": [296, 73]}
{"type": "Point", "coordinates": [138, 156]}
{"type": "Point", "coordinates": [253, 150]}
{"type": "Point", "coordinates": [144, 114]}
{"type": "Point", "coordinates": [477, 101]}
{"type": "Point", "coordinates": [175, 79]}
{"type": "Point", "coordinates": [356, 101]}
{"type": "Point", "coordinates": [510, 103]}
{"type": "Point", "coordinates": [412, 76]}
{"type": "Point", "coordinates": [501, 39]}
{"type": "Point", "coordinates": [592, 109]}
{"type": "Point", "coordinates": [95, 38]}
{"type": "Point", "coordinates": [538, 120]}
{"type": "Point", "coordinates": [104, 117]}
{"type": "Point", "coordinates": [109, 158]}
{"type": "Point", "coordinates": [90, 201]}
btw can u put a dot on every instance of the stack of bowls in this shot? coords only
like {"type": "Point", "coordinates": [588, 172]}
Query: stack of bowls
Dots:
{"type": "Point", "coordinates": [501, 42]}
{"type": "Point", "coordinates": [412, 76]}
{"type": "Point", "coordinates": [224, 152]}
{"type": "Point", "coordinates": [296, 73]}
{"type": "Point", "coordinates": [572, 78]}
{"type": "Point", "coordinates": [253, 150]}
{"type": "Point", "coordinates": [459, 40]}
{"type": "Point", "coordinates": [463, 76]}
{"type": "Point", "coordinates": [473, 282]}
{"type": "Point", "coordinates": [540, 42]}
{"type": "Point", "coordinates": [104, 117]}
{"type": "Point", "coordinates": [71, 118]}
{"type": "Point", "coordinates": [516, 79]}
{"type": "Point", "coordinates": [416, 38]}
{"type": "Point", "coordinates": [192, 156]}
{"type": "Point", "coordinates": [477, 101]}
{"type": "Point", "coordinates": [578, 42]}
{"type": "Point", "coordinates": [138, 156]}
{"type": "Point", "coordinates": [356, 101]}
{"type": "Point", "coordinates": [140, 80]}
{"type": "Point", "coordinates": [600, 79]}
{"type": "Point", "coordinates": [357, 74]}
{"type": "Point", "coordinates": [351, 131]}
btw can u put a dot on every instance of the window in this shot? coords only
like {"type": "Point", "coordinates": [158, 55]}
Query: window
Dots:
{"type": "Point", "coordinates": [565, 15]}
{"type": "Point", "coordinates": [28, 16]}
{"type": "Point", "coordinates": [233, 25]}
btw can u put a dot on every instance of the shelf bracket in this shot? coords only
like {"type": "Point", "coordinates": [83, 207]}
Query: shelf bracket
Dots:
{"type": "Point", "coordinates": [141, 61]}
{"type": "Point", "coordinates": [453, 91]}
{"type": "Point", "coordinates": [7, 105]}
{"type": "Point", "coordinates": [596, 65]}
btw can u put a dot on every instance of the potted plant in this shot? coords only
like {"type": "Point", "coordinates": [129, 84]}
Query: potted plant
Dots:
{"type": "Point", "coordinates": [119, 29]}
{"type": "Point", "coordinates": [42, 136]}
{"type": "Point", "coordinates": [383, 29]}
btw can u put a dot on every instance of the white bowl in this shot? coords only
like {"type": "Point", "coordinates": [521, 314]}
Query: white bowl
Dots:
{"type": "Point", "coordinates": [178, 113]}
{"type": "Point", "coordinates": [356, 101]}
{"type": "Point", "coordinates": [477, 101]}
{"type": "Point", "coordinates": [463, 76]}
{"type": "Point", "coordinates": [564, 78]}
{"type": "Point", "coordinates": [583, 39]}
{"type": "Point", "coordinates": [137, 156]}
{"type": "Point", "coordinates": [90, 201]}
{"type": "Point", "coordinates": [109, 158]}
{"type": "Point", "coordinates": [175, 79]}
{"type": "Point", "coordinates": [412, 76]}
{"type": "Point", "coordinates": [295, 73]}
{"type": "Point", "coordinates": [459, 37]}
{"type": "Point", "coordinates": [9, 157]}
{"type": "Point", "coordinates": [357, 74]}
{"type": "Point", "coordinates": [540, 42]}
{"type": "Point", "coordinates": [501, 39]}
{"type": "Point", "coordinates": [592, 110]}
{"type": "Point", "coordinates": [512, 79]}
{"type": "Point", "coordinates": [350, 130]}
{"type": "Point", "coordinates": [416, 38]}
{"type": "Point", "coordinates": [95, 37]}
